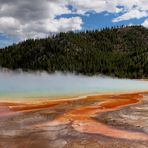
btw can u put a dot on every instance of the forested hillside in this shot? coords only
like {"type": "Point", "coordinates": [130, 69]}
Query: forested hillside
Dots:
{"type": "Point", "coordinates": [120, 52]}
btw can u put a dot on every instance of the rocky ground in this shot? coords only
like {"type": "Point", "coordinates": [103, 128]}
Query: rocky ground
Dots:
{"type": "Point", "coordinates": [134, 117]}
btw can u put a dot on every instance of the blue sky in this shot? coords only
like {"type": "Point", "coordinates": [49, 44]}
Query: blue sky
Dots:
{"type": "Point", "coordinates": [5, 40]}
{"type": "Point", "coordinates": [39, 19]}
{"type": "Point", "coordinates": [98, 21]}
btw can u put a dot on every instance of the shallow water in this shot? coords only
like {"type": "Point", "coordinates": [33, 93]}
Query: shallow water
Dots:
{"type": "Point", "coordinates": [37, 85]}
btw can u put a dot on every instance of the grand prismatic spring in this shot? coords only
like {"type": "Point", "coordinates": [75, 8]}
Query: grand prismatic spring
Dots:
{"type": "Point", "coordinates": [65, 110]}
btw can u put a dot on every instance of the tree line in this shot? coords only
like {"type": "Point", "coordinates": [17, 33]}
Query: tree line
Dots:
{"type": "Point", "coordinates": [117, 51]}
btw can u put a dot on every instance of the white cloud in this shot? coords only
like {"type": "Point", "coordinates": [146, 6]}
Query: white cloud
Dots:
{"type": "Point", "coordinates": [95, 5]}
{"type": "Point", "coordinates": [132, 9]}
{"type": "Point", "coordinates": [33, 18]}
{"type": "Point", "coordinates": [39, 18]}
{"type": "Point", "coordinates": [9, 24]}
{"type": "Point", "coordinates": [132, 14]}
{"type": "Point", "coordinates": [127, 9]}
{"type": "Point", "coordinates": [145, 23]}
{"type": "Point", "coordinates": [47, 26]}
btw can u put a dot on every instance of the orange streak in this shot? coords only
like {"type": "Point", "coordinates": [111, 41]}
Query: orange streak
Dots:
{"type": "Point", "coordinates": [7, 109]}
{"type": "Point", "coordinates": [81, 118]}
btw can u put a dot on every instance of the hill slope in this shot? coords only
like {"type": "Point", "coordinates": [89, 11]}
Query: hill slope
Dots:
{"type": "Point", "coordinates": [120, 52]}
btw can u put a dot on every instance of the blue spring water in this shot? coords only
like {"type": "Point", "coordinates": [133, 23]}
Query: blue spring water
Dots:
{"type": "Point", "coordinates": [41, 84]}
